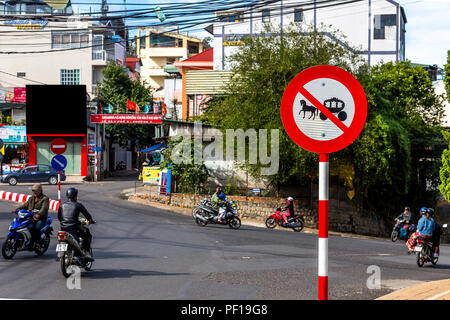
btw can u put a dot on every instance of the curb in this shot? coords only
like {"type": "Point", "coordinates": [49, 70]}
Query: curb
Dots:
{"type": "Point", "coordinates": [18, 197]}
{"type": "Point", "coordinates": [434, 290]}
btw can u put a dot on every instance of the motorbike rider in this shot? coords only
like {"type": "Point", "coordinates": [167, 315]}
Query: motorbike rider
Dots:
{"type": "Point", "coordinates": [218, 201]}
{"type": "Point", "coordinates": [404, 218]}
{"type": "Point", "coordinates": [38, 201]}
{"type": "Point", "coordinates": [436, 237]}
{"type": "Point", "coordinates": [289, 209]}
{"type": "Point", "coordinates": [68, 214]}
{"type": "Point", "coordinates": [425, 228]}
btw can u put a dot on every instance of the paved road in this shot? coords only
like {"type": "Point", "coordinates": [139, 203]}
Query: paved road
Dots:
{"type": "Point", "coordinates": [147, 253]}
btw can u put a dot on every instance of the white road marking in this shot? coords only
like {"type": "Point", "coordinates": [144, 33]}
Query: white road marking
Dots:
{"type": "Point", "coordinates": [439, 295]}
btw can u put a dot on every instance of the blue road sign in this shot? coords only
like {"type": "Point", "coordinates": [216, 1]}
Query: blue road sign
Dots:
{"type": "Point", "coordinates": [59, 162]}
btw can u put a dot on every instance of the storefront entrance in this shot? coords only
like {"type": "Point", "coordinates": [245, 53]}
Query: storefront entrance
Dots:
{"type": "Point", "coordinates": [44, 155]}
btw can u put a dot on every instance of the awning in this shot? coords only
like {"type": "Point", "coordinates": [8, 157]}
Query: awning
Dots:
{"type": "Point", "coordinates": [156, 148]}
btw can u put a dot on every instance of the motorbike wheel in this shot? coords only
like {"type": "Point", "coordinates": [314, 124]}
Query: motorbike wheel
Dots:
{"type": "Point", "coordinates": [434, 260]}
{"type": "Point", "coordinates": [44, 243]}
{"type": "Point", "coordinates": [419, 259]}
{"type": "Point", "coordinates": [194, 212]}
{"type": "Point", "coordinates": [300, 228]}
{"type": "Point", "coordinates": [271, 223]}
{"type": "Point", "coordinates": [200, 222]}
{"type": "Point", "coordinates": [394, 236]}
{"type": "Point", "coordinates": [9, 248]}
{"type": "Point", "coordinates": [66, 262]}
{"type": "Point", "coordinates": [88, 265]}
{"type": "Point", "coordinates": [234, 223]}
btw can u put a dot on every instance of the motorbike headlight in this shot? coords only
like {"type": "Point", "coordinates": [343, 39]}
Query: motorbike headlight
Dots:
{"type": "Point", "coordinates": [22, 215]}
{"type": "Point", "coordinates": [10, 228]}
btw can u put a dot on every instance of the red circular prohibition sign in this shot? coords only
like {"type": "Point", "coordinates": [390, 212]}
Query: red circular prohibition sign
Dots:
{"type": "Point", "coordinates": [349, 133]}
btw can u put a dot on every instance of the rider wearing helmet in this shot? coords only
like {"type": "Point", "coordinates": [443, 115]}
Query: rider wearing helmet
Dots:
{"type": "Point", "coordinates": [38, 202]}
{"type": "Point", "coordinates": [289, 209]}
{"type": "Point", "coordinates": [218, 201]}
{"type": "Point", "coordinates": [425, 228]}
{"type": "Point", "coordinates": [68, 214]}
{"type": "Point", "coordinates": [436, 237]}
{"type": "Point", "coordinates": [405, 216]}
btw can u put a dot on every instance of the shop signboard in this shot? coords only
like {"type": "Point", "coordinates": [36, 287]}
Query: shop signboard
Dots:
{"type": "Point", "coordinates": [126, 118]}
{"type": "Point", "coordinates": [13, 134]}
{"type": "Point", "coordinates": [20, 95]}
{"type": "Point", "coordinates": [165, 181]}
{"type": "Point", "coordinates": [151, 175]}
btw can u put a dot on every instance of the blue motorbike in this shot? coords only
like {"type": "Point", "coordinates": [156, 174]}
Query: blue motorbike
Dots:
{"type": "Point", "coordinates": [19, 236]}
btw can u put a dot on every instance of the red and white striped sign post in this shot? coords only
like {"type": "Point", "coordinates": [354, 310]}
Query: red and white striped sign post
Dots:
{"type": "Point", "coordinates": [323, 225]}
{"type": "Point", "coordinates": [59, 146]}
{"type": "Point", "coordinates": [323, 110]}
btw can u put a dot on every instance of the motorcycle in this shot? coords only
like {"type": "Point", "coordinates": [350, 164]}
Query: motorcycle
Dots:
{"type": "Point", "coordinates": [424, 251]}
{"type": "Point", "coordinates": [203, 214]}
{"type": "Point", "coordinates": [296, 222]}
{"type": "Point", "coordinates": [121, 166]}
{"type": "Point", "coordinates": [70, 250]}
{"type": "Point", "coordinates": [19, 236]}
{"type": "Point", "coordinates": [400, 232]}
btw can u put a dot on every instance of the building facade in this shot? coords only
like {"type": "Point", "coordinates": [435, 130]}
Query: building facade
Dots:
{"type": "Point", "coordinates": [376, 28]}
{"type": "Point", "coordinates": [43, 45]}
{"type": "Point", "coordinates": [158, 50]}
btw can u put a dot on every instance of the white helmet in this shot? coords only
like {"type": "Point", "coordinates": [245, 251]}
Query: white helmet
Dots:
{"type": "Point", "coordinates": [289, 199]}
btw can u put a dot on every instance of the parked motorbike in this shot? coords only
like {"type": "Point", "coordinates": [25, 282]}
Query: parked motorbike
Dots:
{"type": "Point", "coordinates": [424, 250]}
{"type": "Point", "coordinates": [296, 222]}
{"type": "Point", "coordinates": [402, 230]}
{"type": "Point", "coordinates": [203, 214]}
{"type": "Point", "coordinates": [19, 236]}
{"type": "Point", "coordinates": [70, 250]}
{"type": "Point", "coordinates": [121, 165]}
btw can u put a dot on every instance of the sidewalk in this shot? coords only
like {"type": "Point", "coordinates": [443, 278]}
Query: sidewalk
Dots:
{"type": "Point", "coordinates": [435, 290]}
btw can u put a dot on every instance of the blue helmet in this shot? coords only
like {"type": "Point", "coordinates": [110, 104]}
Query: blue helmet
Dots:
{"type": "Point", "coordinates": [423, 210]}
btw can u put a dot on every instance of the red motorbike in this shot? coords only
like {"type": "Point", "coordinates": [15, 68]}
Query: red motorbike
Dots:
{"type": "Point", "coordinates": [296, 222]}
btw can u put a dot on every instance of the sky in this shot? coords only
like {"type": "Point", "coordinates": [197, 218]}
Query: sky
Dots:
{"type": "Point", "coordinates": [427, 29]}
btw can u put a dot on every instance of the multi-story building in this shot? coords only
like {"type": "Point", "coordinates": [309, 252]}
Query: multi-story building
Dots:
{"type": "Point", "coordinates": [41, 44]}
{"type": "Point", "coordinates": [158, 50]}
{"type": "Point", "coordinates": [376, 28]}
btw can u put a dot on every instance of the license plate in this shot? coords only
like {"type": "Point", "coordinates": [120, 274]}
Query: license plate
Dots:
{"type": "Point", "coordinates": [61, 247]}
{"type": "Point", "coordinates": [418, 248]}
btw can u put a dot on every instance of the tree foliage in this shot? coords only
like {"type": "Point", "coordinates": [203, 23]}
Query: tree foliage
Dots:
{"type": "Point", "coordinates": [447, 76]}
{"type": "Point", "coordinates": [116, 89]}
{"type": "Point", "coordinates": [389, 158]}
{"type": "Point", "coordinates": [190, 176]}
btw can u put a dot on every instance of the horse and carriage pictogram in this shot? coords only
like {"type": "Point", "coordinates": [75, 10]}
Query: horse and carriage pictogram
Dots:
{"type": "Point", "coordinates": [334, 105]}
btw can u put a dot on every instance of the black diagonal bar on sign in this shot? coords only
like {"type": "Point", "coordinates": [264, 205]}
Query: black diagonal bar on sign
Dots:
{"type": "Point", "coordinates": [324, 110]}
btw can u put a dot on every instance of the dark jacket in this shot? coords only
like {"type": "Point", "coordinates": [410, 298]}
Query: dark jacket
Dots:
{"type": "Point", "coordinates": [41, 203]}
{"type": "Point", "coordinates": [290, 209]}
{"type": "Point", "coordinates": [69, 212]}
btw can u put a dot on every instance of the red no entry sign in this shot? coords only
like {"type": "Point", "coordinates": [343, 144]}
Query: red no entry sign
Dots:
{"type": "Point", "coordinates": [58, 146]}
{"type": "Point", "coordinates": [324, 109]}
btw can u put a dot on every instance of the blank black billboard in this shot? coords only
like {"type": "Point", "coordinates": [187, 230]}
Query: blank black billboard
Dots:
{"type": "Point", "coordinates": [56, 109]}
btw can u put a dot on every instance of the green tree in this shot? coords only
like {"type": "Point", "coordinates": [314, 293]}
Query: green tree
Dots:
{"type": "Point", "coordinates": [389, 158]}
{"type": "Point", "coordinates": [116, 89]}
{"type": "Point", "coordinates": [261, 70]}
{"type": "Point", "coordinates": [447, 76]}
{"type": "Point", "coordinates": [190, 177]}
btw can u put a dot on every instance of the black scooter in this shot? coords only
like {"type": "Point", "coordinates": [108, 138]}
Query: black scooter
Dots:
{"type": "Point", "coordinates": [204, 214]}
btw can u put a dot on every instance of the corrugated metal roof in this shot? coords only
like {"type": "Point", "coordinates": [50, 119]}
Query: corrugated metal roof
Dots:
{"type": "Point", "coordinates": [206, 81]}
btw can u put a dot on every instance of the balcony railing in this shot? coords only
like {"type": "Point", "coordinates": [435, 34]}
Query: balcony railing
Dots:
{"type": "Point", "coordinates": [102, 55]}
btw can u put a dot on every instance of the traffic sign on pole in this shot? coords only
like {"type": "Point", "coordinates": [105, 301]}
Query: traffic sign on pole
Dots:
{"type": "Point", "coordinates": [324, 109]}
{"type": "Point", "coordinates": [59, 162]}
{"type": "Point", "coordinates": [58, 146]}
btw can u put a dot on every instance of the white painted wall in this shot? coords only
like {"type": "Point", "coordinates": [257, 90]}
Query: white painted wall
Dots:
{"type": "Point", "coordinates": [351, 19]}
